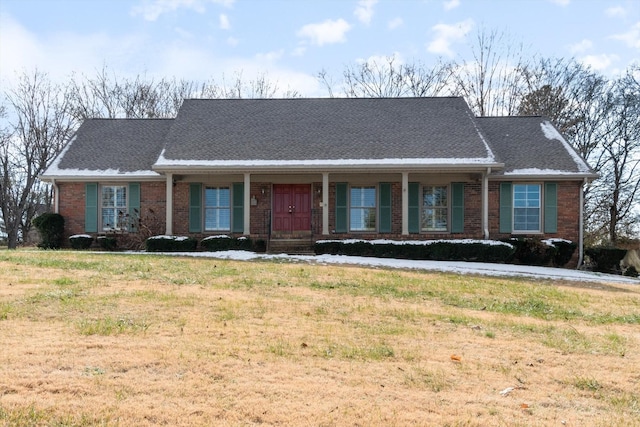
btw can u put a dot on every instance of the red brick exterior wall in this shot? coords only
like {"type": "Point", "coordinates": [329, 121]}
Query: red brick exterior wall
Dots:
{"type": "Point", "coordinates": [71, 205]}
{"type": "Point", "coordinates": [568, 212]}
{"type": "Point", "coordinates": [153, 200]}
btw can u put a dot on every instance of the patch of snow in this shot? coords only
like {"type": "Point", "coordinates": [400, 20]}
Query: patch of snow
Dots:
{"type": "Point", "coordinates": [163, 161]}
{"type": "Point", "coordinates": [217, 236]}
{"type": "Point", "coordinates": [166, 237]}
{"type": "Point", "coordinates": [536, 171]}
{"type": "Point", "coordinates": [418, 242]}
{"type": "Point", "coordinates": [78, 236]}
{"type": "Point", "coordinates": [550, 132]}
{"type": "Point", "coordinates": [456, 267]}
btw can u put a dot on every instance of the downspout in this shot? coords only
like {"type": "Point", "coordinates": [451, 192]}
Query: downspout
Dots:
{"type": "Point", "coordinates": [581, 221]}
{"type": "Point", "coordinates": [56, 197]}
{"type": "Point", "coordinates": [485, 203]}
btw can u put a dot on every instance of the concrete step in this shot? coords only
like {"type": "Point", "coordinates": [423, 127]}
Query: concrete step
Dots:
{"type": "Point", "coordinates": [291, 246]}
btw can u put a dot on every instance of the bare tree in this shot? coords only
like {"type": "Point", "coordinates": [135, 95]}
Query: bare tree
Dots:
{"type": "Point", "coordinates": [492, 83]}
{"type": "Point", "coordinates": [390, 79]}
{"type": "Point", "coordinates": [40, 125]}
{"type": "Point", "coordinates": [237, 88]}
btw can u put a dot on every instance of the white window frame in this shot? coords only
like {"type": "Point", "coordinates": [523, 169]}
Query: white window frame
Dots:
{"type": "Point", "coordinates": [359, 205]}
{"type": "Point", "coordinates": [527, 201]}
{"type": "Point", "coordinates": [217, 209]}
{"type": "Point", "coordinates": [120, 212]}
{"type": "Point", "coordinates": [445, 208]}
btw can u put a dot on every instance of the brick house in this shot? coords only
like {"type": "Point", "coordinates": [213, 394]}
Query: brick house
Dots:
{"type": "Point", "coordinates": [310, 169]}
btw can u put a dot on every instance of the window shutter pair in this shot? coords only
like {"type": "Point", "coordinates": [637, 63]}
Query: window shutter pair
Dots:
{"type": "Point", "coordinates": [384, 207]}
{"type": "Point", "coordinates": [457, 207]}
{"type": "Point", "coordinates": [91, 205]}
{"type": "Point", "coordinates": [550, 207]}
{"type": "Point", "coordinates": [195, 207]}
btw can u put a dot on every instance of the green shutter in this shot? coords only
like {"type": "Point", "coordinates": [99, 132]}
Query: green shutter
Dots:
{"type": "Point", "coordinates": [414, 207]}
{"type": "Point", "coordinates": [457, 207]}
{"type": "Point", "coordinates": [91, 207]}
{"type": "Point", "coordinates": [341, 207]}
{"type": "Point", "coordinates": [385, 208]}
{"type": "Point", "coordinates": [550, 207]}
{"type": "Point", "coordinates": [238, 207]}
{"type": "Point", "coordinates": [506, 211]}
{"type": "Point", "coordinates": [195, 208]}
{"type": "Point", "coordinates": [134, 205]}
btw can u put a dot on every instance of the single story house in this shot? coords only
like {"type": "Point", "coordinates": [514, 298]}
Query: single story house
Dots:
{"type": "Point", "coordinates": [310, 169]}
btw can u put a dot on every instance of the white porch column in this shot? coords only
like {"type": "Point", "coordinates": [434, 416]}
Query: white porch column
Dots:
{"type": "Point", "coordinates": [247, 204]}
{"type": "Point", "coordinates": [325, 203]}
{"type": "Point", "coordinates": [405, 203]}
{"type": "Point", "coordinates": [168, 228]}
{"type": "Point", "coordinates": [485, 203]}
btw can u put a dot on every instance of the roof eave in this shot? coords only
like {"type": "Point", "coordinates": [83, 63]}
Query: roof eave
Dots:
{"type": "Point", "coordinates": [297, 168]}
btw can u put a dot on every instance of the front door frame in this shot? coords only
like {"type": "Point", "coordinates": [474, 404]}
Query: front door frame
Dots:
{"type": "Point", "coordinates": [291, 207]}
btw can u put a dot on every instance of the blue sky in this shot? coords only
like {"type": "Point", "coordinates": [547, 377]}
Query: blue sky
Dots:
{"type": "Point", "coordinates": [291, 41]}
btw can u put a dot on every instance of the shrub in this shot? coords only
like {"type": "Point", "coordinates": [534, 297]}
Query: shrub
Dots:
{"type": "Point", "coordinates": [171, 244]}
{"type": "Point", "coordinates": [226, 243]}
{"type": "Point", "coordinates": [605, 259]}
{"type": "Point", "coordinates": [80, 241]}
{"type": "Point", "coordinates": [564, 251]}
{"type": "Point", "coordinates": [108, 243]}
{"type": "Point", "coordinates": [532, 251]}
{"type": "Point", "coordinates": [440, 250]}
{"type": "Point", "coordinates": [631, 272]}
{"type": "Point", "coordinates": [51, 228]}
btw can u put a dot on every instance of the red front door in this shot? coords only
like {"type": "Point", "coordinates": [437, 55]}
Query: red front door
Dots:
{"type": "Point", "coordinates": [291, 207]}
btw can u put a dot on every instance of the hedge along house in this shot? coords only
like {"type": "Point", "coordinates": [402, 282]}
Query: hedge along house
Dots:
{"type": "Point", "coordinates": [309, 169]}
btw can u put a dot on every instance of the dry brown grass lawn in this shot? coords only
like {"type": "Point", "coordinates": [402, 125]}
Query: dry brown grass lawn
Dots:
{"type": "Point", "coordinates": [96, 339]}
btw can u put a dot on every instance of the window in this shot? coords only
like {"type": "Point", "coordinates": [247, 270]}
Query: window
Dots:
{"type": "Point", "coordinates": [526, 207]}
{"type": "Point", "coordinates": [434, 208]}
{"type": "Point", "coordinates": [217, 209]}
{"type": "Point", "coordinates": [114, 207]}
{"type": "Point", "coordinates": [363, 209]}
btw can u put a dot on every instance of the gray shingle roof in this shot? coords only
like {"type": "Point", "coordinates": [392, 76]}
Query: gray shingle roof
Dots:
{"type": "Point", "coordinates": [115, 146]}
{"type": "Point", "coordinates": [532, 146]}
{"type": "Point", "coordinates": [325, 129]}
{"type": "Point", "coordinates": [335, 132]}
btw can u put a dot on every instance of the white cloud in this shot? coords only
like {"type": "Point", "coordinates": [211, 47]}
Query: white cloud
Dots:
{"type": "Point", "coordinates": [446, 35]}
{"type": "Point", "coordinates": [364, 11]}
{"type": "Point", "coordinates": [152, 9]}
{"type": "Point", "coordinates": [451, 4]}
{"type": "Point", "coordinates": [395, 23]}
{"type": "Point", "coordinates": [327, 32]}
{"type": "Point", "coordinates": [232, 41]}
{"type": "Point", "coordinates": [616, 11]}
{"type": "Point", "coordinates": [270, 56]}
{"type": "Point", "coordinates": [580, 47]}
{"type": "Point", "coordinates": [561, 2]}
{"type": "Point", "coordinates": [224, 22]}
{"type": "Point", "coordinates": [631, 37]}
{"type": "Point", "coordinates": [599, 62]}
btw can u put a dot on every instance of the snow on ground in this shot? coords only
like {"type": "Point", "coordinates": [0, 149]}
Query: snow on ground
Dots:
{"type": "Point", "coordinates": [459, 267]}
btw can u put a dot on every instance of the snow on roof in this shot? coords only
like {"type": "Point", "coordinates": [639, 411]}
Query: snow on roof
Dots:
{"type": "Point", "coordinates": [551, 133]}
{"type": "Point", "coordinates": [163, 161]}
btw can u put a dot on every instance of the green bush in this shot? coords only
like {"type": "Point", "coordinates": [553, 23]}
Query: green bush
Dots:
{"type": "Point", "coordinates": [226, 243]}
{"type": "Point", "coordinates": [81, 241]}
{"type": "Point", "coordinates": [171, 244]}
{"type": "Point", "coordinates": [108, 243]}
{"type": "Point", "coordinates": [532, 251]}
{"type": "Point", "coordinates": [631, 272]}
{"type": "Point", "coordinates": [564, 251]}
{"type": "Point", "coordinates": [51, 228]}
{"type": "Point", "coordinates": [440, 250]}
{"type": "Point", "coordinates": [605, 259]}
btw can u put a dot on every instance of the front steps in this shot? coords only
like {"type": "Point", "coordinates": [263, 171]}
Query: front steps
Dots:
{"type": "Point", "coordinates": [290, 246]}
